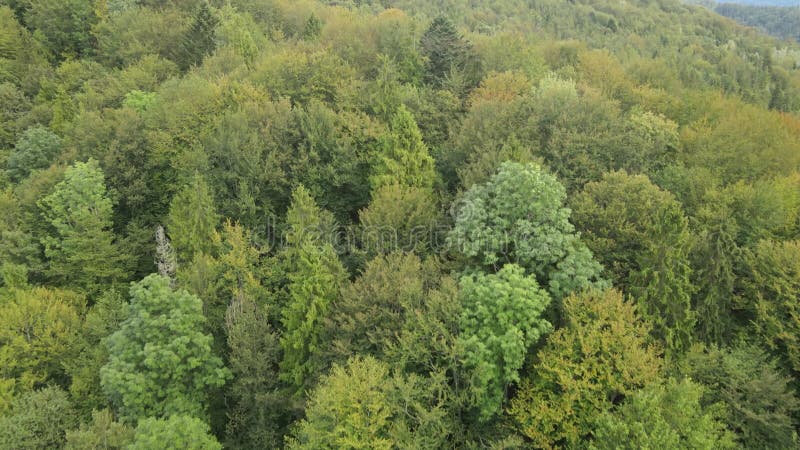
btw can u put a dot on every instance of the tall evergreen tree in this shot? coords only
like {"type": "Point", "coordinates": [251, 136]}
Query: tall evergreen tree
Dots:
{"type": "Point", "coordinates": [81, 248]}
{"type": "Point", "coordinates": [199, 40]}
{"type": "Point", "coordinates": [403, 158]}
{"type": "Point", "coordinates": [447, 53]}
{"type": "Point", "coordinates": [192, 220]}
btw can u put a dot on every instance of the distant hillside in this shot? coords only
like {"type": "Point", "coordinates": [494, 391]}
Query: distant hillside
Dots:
{"type": "Point", "coordinates": [782, 22]}
{"type": "Point", "coordinates": [764, 2]}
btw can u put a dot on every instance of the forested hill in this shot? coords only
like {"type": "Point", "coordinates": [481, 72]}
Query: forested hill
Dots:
{"type": "Point", "coordinates": [781, 22]}
{"type": "Point", "coordinates": [402, 224]}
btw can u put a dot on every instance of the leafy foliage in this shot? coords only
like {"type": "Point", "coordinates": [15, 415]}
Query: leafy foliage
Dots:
{"type": "Point", "coordinates": [160, 361]}
{"type": "Point", "coordinates": [597, 359]}
{"type": "Point", "coordinates": [502, 318]}
{"type": "Point", "coordinates": [177, 431]}
{"type": "Point", "coordinates": [519, 217]}
{"type": "Point", "coordinates": [667, 416]}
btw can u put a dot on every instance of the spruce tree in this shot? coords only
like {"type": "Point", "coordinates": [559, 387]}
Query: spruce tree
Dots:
{"type": "Point", "coordinates": [80, 248]}
{"type": "Point", "coordinates": [403, 158]}
{"type": "Point", "coordinates": [192, 220]}
{"type": "Point", "coordinates": [199, 40]}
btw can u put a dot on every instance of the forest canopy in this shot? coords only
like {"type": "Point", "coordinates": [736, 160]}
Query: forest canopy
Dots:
{"type": "Point", "coordinates": [396, 224]}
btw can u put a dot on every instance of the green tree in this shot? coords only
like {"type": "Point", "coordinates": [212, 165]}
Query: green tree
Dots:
{"type": "Point", "coordinates": [348, 409]}
{"type": "Point", "coordinates": [314, 284]}
{"type": "Point", "coordinates": [198, 41]}
{"type": "Point", "coordinates": [772, 286]}
{"type": "Point", "coordinates": [63, 26]}
{"type": "Point", "coordinates": [599, 357]}
{"type": "Point", "coordinates": [35, 149]}
{"type": "Point", "coordinates": [501, 320]}
{"type": "Point", "coordinates": [160, 360]}
{"type": "Point", "coordinates": [192, 220]}
{"type": "Point", "coordinates": [39, 335]}
{"type": "Point", "coordinates": [665, 415]}
{"type": "Point", "coordinates": [519, 217]}
{"type": "Point", "coordinates": [447, 52]}
{"type": "Point", "coordinates": [38, 420]}
{"type": "Point", "coordinates": [259, 411]}
{"type": "Point", "coordinates": [761, 405]}
{"type": "Point", "coordinates": [103, 433]}
{"type": "Point", "coordinates": [81, 248]}
{"type": "Point", "coordinates": [403, 158]}
{"type": "Point", "coordinates": [102, 319]}
{"type": "Point", "coordinates": [371, 310]}
{"type": "Point", "coordinates": [399, 218]}
{"type": "Point", "coordinates": [313, 28]}
{"type": "Point", "coordinates": [178, 431]}
{"type": "Point", "coordinates": [641, 235]}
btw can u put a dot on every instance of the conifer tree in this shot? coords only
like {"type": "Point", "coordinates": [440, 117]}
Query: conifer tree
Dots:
{"type": "Point", "coordinates": [192, 220]}
{"type": "Point", "coordinates": [314, 276]}
{"type": "Point", "coordinates": [403, 158]}
{"type": "Point", "coordinates": [199, 40]}
{"type": "Point", "coordinates": [81, 248]}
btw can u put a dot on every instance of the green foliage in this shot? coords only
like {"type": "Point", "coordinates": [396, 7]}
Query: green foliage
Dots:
{"type": "Point", "coordinates": [360, 405]}
{"type": "Point", "coordinates": [761, 405]}
{"type": "Point", "coordinates": [197, 41]}
{"type": "Point", "coordinates": [313, 285]}
{"type": "Point", "coordinates": [160, 361]}
{"type": "Point", "coordinates": [519, 217]}
{"type": "Point", "coordinates": [179, 431]}
{"type": "Point", "coordinates": [501, 320]}
{"type": "Point", "coordinates": [370, 312]}
{"type": "Point", "coordinates": [447, 54]}
{"type": "Point", "coordinates": [349, 409]}
{"type": "Point", "coordinates": [63, 26]}
{"type": "Point", "coordinates": [81, 248]}
{"type": "Point", "coordinates": [403, 158]}
{"type": "Point", "coordinates": [38, 420]}
{"type": "Point", "coordinates": [101, 320]}
{"type": "Point", "coordinates": [102, 434]}
{"type": "Point", "coordinates": [772, 287]}
{"type": "Point", "coordinates": [255, 353]}
{"type": "Point", "coordinates": [599, 357]}
{"type": "Point", "coordinates": [35, 149]}
{"type": "Point", "coordinates": [640, 234]}
{"type": "Point", "coordinates": [665, 415]}
{"type": "Point", "coordinates": [192, 219]}
{"type": "Point", "coordinates": [38, 336]}
{"type": "Point", "coordinates": [399, 218]}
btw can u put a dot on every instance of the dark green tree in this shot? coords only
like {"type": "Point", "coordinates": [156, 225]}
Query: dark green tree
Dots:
{"type": "Point", "coordinates": [199, 40]}
{"type": "Point", "coordinates": [447, 53]}
{"type": "Point", "coordinates": [35, 149]}
{"type": "Point", "coordinates": [38, 420]}
{"type": "Point", "coordinates": [761, 405]}
{"type": "Point", "coordinates": [641, 235]}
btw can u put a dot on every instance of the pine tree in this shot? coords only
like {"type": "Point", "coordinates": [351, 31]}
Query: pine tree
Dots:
{"type": "Point", "coordinates": [313, 285]}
